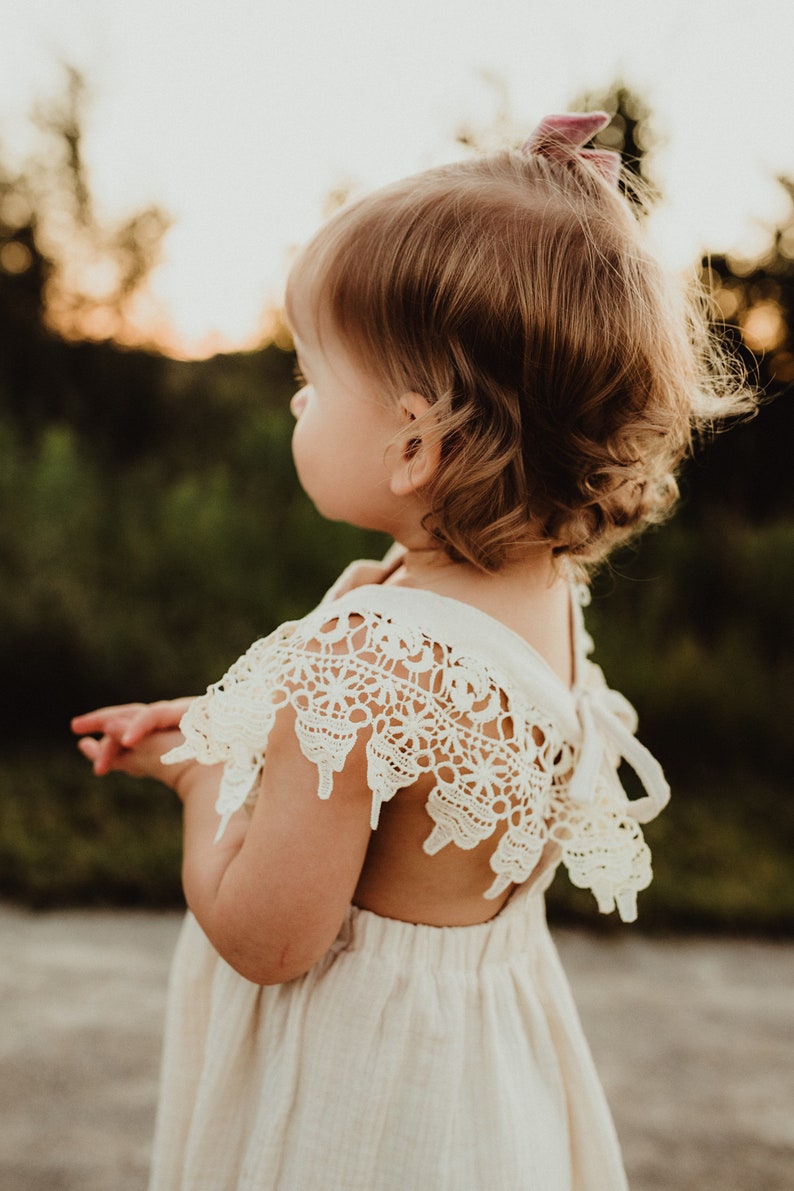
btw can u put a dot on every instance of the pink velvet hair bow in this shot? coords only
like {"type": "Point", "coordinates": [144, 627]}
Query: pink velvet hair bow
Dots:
{"type": "Point", "coordinates": [562, 136]}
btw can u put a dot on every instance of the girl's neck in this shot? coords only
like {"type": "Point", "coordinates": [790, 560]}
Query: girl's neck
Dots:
{"type": "Point", "coordinates": [531, 597]}
{"type": "Point", "coordinates": [430, 567]}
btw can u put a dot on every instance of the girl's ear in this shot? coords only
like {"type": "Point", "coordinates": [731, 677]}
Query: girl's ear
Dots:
{"type": "Point", "coordinates": [418, 448]}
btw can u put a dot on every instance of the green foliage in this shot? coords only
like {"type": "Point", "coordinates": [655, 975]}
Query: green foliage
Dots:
{"type": "Point", "coordinates": [150, 581]}
{"type": "Point", "coordinates": [696, 629]}
{"type": "Point", "coordinates": [68, 840]}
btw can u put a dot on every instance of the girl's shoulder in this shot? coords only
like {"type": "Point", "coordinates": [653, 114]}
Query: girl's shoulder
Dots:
{"type": "Point", "coordinates": [390, 661]}
{"type": "Point", "coordinates": [421, 634]}
{"type": "Point", "coordinates": [417, 673]}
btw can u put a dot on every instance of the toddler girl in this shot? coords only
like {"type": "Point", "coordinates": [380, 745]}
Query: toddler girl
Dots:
{"type": "Point", "coordinates": [365, 996]}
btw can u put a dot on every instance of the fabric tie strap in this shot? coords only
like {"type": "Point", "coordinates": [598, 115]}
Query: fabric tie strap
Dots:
{"type": "Point", "coordinates": [603, 716]}
{"type": "Point", "coordinates": [561, 137]}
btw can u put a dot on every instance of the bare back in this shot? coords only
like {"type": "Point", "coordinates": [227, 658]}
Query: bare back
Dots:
{"type": "Point", "coordinates": [399, 879]}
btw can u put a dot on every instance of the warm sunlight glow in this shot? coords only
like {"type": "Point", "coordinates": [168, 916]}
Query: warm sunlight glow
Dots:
{"type": "Point", "coordinates": [727, 299]}
{"type": "Point", "coordinates": [275, 112]}
{"type": "Point", "coordinates": [763, 327]}
{"type": "Point", "coordinates": [15, 258]}
{"type": "Point", "coordinates": [782, 367]}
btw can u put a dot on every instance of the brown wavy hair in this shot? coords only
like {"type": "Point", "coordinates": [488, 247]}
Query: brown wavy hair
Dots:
{"type": "Point", "coordinates": [567, 371]}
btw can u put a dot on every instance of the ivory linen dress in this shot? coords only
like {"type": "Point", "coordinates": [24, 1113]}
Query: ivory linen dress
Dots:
{"type": "Point", "coordinates": [411, 1056]}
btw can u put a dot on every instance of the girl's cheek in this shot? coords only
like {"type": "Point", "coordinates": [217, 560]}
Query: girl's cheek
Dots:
{"type": "Point", "coordinates": [298, 402]}
{"type": "Point", "coordinates": [296, 444]}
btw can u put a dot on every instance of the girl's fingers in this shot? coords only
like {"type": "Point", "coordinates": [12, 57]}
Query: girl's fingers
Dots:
{"type": "Point", "coordinates": [148, 719]}
{"type": "Point", "coordinates": [105, 754]}
{"type": "Point", "coordinates": [101, 753]}
{"type": "Point", "coordinates": [108, 752]}
{"type": "Point", "coordinates": [130, 722]}
{"type": "Point", "coordinates": [121, 730]}
{"type": "Point", "coordinates": [155, 717]}
{"type": "Point", "coordinates": [88, 747]}
{"type": "Point", "coordinates": [94, 721]}
{"type": "Point", "coordinates": [96, 752]}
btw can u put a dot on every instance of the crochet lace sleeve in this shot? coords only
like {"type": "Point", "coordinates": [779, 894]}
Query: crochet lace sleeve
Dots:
{"type": "Point", "coordinates": [495, 762]}
{"type": "Point", "coordinates": [426, 709]}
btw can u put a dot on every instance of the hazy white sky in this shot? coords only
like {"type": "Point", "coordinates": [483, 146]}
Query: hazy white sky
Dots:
{"type": "Point", "coordinates": [239, 116]}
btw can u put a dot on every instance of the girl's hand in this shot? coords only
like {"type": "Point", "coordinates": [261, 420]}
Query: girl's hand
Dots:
{"type": "Point", "coordinates": [126, 742]}
{"type": "Point", "coordinates": [142, 760]}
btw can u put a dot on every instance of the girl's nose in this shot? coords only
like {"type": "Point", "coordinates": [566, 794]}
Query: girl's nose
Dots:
{"type": "Point", "coordinates": [298, 401]}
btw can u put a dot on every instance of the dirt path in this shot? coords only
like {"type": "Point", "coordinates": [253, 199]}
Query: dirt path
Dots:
{"type": "Point", "coordinates": [694, 1040]}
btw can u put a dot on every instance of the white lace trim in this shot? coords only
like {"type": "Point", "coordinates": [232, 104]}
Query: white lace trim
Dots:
{"type": "Point", "coordinates": [499, 762]}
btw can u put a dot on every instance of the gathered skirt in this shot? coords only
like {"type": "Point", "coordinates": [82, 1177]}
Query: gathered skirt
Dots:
{"type": "Point", "coordinates": [410, 1057]}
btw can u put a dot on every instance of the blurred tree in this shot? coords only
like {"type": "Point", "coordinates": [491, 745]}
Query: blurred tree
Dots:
{"type": "Point", "coordinates": [631, 133]}
{"type": "Point", "coordinates": [68, 284]}
{"type": "Point", "coordinates": [754, 306]}
{"type": "Point", "coordinates": [53, 254]}
{"type": "Point", "coordinates": [747, 473]}
{"type": "Point", "coordinates": [98, 268]}
{"type": "Point", "coordinates": [24, 273]}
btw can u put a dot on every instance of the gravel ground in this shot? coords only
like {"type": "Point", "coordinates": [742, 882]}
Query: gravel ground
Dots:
{"type": "Point", "coordinates": [694, 1040]}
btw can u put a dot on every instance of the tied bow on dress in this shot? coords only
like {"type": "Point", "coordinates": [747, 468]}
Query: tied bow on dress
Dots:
{"type": "Point", "coordinates": [608, 719]}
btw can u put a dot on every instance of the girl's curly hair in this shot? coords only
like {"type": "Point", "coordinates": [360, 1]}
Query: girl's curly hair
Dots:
{"type": "Point", "coordinates": [566, 369]}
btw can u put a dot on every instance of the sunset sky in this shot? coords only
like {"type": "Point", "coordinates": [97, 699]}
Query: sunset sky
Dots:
{"type": "Point", "coordinates": [239, 117]}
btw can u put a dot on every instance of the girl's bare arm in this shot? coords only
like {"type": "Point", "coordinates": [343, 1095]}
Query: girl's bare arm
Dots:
{"type": "Point", "coordinates": [273, 892]}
